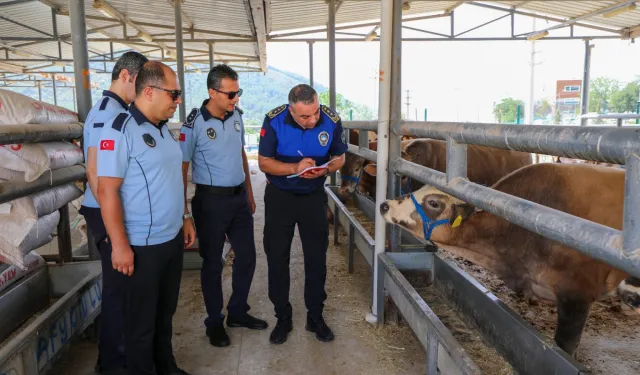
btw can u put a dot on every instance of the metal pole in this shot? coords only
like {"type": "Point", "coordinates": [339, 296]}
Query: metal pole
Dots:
{"type": "Point", "coordinates": [311, 64]}
{"type": "Point", "coordinates": [631, 224]}
{"type": "Point", "coordinates": [73, 93]}
{"type": "Point", "coordinates": [386, 30]}
{"type": "Point", "coordinates": [80, 57]}
{"type": "Point", "coordinates": [456, 159]}
{"type": "Point", "coordinates": [531, 112]}
{"type": "Point", "coordinates": [39, 92]}
{"type": "Point", "coordinates": [331, 31]}
{"type": "Point", "coordinates": [177, 7]}
{"type": "Point", "coordinates": [585, 82]}
{"type": "Point", "coordinates": [393, 189]}
{"type": "Point", "coordinates": [55, 96]}
{"type": "Point", "coordinates": [212, 51]}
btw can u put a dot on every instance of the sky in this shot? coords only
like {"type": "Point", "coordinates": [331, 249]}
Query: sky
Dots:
{"type": "Point", "coordinates": [460, 81]}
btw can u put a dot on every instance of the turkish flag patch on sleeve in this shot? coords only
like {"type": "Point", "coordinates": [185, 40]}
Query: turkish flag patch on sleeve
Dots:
{"type": "Point", "coordinates": [182, 137]}
{"type": "Point", "coordinates": [108, 145]}
{"type": "Point", "coordinates": [263, 131]}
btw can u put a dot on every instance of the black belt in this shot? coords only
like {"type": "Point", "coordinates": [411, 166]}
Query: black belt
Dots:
{"type": "Point", "coordinates": [221, 190]}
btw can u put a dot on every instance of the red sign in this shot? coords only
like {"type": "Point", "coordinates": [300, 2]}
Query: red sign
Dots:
{"type": "Point", "coordinates": [108, 145]}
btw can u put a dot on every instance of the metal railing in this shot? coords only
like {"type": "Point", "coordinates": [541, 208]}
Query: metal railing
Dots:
{"type": "Point", "coordinates": [619, 117]}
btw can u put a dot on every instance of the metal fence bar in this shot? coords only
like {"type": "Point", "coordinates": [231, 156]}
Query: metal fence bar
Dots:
{"type": "Point", "coordinates": [606, 144]}
{"type": "Point", "coordinates": [18, 189]}
{"type": "Point", "coordinates": [365, 153]}
{"type": "Point", "coordinates": [590, 238]}
{"type": "Point", "coordinates": [609, 116]}
{"type": "Point", "coordinates": [631, 215]}
{"type": "Point", "coordinates": [456, 159]}
{"type": "Point", "coordinates": [361, 125]}
{"type": "Point", "coordinates": [34, 133]}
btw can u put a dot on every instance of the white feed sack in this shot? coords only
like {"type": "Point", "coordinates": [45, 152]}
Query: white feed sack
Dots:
{"type": "Point", "coordinates": [10, 274]}
{"type": "Point", "coordinates": [31, 220]}
{"type": "Point", "coordinates": [29, 161]}
{"type": "Point", "coordinates": [16, 109]}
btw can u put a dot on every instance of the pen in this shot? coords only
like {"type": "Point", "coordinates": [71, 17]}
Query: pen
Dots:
{"type": "Point", "coordinates": [300, 153]}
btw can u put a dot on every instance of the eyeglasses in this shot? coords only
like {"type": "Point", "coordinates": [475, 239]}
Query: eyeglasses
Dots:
{"type": "Point", "coordinates": [231, 94]}
{"type": "Point", "coordinates": [175, 94]}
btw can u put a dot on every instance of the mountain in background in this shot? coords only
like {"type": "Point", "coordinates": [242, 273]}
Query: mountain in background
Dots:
{"type": "Point", "coordinates": [261, 93]}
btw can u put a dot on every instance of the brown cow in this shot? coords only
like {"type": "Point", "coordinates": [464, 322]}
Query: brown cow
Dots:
{"type": "Point", "coordinates": [528, 263]}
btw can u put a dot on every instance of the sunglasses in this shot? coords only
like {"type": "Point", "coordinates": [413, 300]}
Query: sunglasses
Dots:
{"type": "Point", "coordinates": [231, 94]}
{"type": "Point", "coordinates": [175, 94]}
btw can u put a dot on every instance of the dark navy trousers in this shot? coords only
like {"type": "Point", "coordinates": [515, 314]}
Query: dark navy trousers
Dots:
{"type": "Point", "coordinates": [217, 216]}
{"type": "Point", "coordinates": [111, 347]}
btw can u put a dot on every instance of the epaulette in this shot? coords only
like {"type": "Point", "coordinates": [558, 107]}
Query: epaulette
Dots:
{"type": "Point", "coordinates": [118, 122]}
{"type": "Point", "coordinates": [276, 111]}
{"type": "Point", "coordinates": [240, 111]}
{"type": "Point", "coordinates": [103, 105]}
{"type": "Point", "coordinates": [191, 118]}
{"type": "Point", "coordinates": [329, 112]}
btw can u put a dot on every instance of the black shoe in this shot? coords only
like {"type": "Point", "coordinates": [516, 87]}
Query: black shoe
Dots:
{"type": "Point", "coordinates": [218, 336]}
{"type": "Point", "coordinates": [322, 331]}
{"type": "Point", "coordinates": [247, 321]}
{"type": "Point", "coordinates": [177, 371]}
{"type": "Point", "coordinates": [279, 334]}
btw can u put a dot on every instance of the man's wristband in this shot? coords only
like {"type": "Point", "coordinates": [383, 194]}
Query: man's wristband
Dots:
{"type": "Point", "coordinates": [188, 215]}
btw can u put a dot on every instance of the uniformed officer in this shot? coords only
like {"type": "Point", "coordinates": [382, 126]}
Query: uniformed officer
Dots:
{"type": "Point", "coordinates": [113, 102]}
{"type": "Point", "coordinates": [140, 191]}
{"type": "Point", "coordinates": [212, 139]}
{"type": "Point", "coordinates": [293, 138]}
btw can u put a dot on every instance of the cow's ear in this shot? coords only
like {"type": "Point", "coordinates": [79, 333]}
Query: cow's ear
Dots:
{"type": "Point", "coordinates": [463, 210]}
{"type": "Point", "coordinates": [371, 170]}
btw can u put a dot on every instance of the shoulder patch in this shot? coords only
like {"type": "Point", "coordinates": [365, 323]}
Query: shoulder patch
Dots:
{"type": "Point", "coordinates": [276, 111]}
{"type": "Point", "coordinates": [98, 124]}
{"type": "Point", "coordinates": [240, 111]}
{"type": "Point", "coordinates": [191, 118]}
{"type": "Point", "coordinates": [118, 122]}
{"type": "Point", "coordinates": [103, 105]}
{"type": "Point", "coordinates": [329, 112]}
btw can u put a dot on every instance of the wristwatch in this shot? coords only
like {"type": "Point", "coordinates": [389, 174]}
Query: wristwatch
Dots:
{"type": "Point", "coordinates": [187, 215]}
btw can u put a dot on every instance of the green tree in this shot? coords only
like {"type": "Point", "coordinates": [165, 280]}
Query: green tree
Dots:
{"type": "Point", "coordinates": [543, 109]}
{"type": "Point", "coordinates": [601, 91]}
{"type": "Point", "coordinates": [625, 100]}
{"type": "Point", "coordinates": [344, 106]}
{"type": "Point", "coordinates": [507, 110]}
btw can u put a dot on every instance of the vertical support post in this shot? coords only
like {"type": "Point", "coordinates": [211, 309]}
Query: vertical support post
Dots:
{"type": "Point", "coordinates": [456, 159]}
{"type": "Point", "coordinates": [618, 122]}
{"type": "Point", "coordinates": [351, 247]}
{"type": "Point", "coordinates": [513, 24]}
{"type": "Point", "coordinates": [584, 101]}
{"type": "Point", "coordinates": [310, 64]}
{"type": "Point", "coordinates": [64, 235]}
{"type": "Point", "coordinates": [331, 31]}
{"type": "Point", "coordinates": [111, 50]}
{"type": "Point", "coordinates": [177, 7]}
{"type": "Point", "coordinates": [73, 94]}
{"type": "Point", "coordinates": [80, 58]}
{"type": "Point", "coordinates": [55, 94]}
{"type": "Point", "coordinates": [453, 22]}
{"type": "Point", "coordinates": [212, 51]}
{"type": "Point", "coordinates": [631, 223]}
{"type": "Point", "coordinates": [530, 112]}
{"type": "Point", "coordinates": [393, 189]}
{"type": "Point", "coordinates": [425, 114]}
{"type": "Point", "coordinates": [386, 29]}
{"type": "Point", "coordinates": [39, 91]}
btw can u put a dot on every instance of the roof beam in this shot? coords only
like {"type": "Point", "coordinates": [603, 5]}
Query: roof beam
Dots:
{"type": "Point", "coordinates": [257, 11]}
{"type": "Point", "coordinates": [520, 4]}
{"type": "Point", "coordinates": [184, 15]}
{"type": "Point", "coordinates": [454, 6]}
{"type": "Point", "coordinates": [267, 14]}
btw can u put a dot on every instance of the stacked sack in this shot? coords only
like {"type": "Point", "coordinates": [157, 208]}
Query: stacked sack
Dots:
{"type": "Point", "coordinates": [28, 223]}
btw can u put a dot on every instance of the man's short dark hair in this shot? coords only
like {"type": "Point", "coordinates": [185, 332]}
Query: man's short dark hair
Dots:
{"type": "Point", "coordinates": [151, 74]}
{"type": "Point", "coordinates": [218, 73]}
{"type": "Point", "coordinates": [132, 61]}
{"type": "Point", "coordinates": [302, 93]}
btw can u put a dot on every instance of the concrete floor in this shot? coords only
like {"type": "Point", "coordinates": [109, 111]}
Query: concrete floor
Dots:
{"type": "Point", "coordinates": [359, 348]}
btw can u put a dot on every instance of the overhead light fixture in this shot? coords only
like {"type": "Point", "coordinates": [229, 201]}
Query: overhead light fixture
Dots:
{"type": "Point", "coordinates": [169, 53]}
{"type": "Point", "coordinates": [615, 12]}
{"type": "Point", "coordinates": [406, 5]}
{"type": "Point", "coordinates": [105, 8]}
{"type": "Point", "coordinates": [198, 70]}
{"type": "Point", "coordinates": [20, 53]}
{"type": "Point", "coordinates": [371, 36]}
{"type": "Point", "coordinates": [537, 36]}
{"type": "Point", "coordinates": [144, 36]}
{"type": "Point", "coordinates": [59, 63]}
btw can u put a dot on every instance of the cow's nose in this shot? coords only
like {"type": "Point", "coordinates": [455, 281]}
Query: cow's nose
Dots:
{"type": "Point", "coordinates": [384, 208]}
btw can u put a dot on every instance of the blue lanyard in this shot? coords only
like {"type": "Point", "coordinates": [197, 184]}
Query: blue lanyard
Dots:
{"type": "Point", "coordinates": [428, 225]}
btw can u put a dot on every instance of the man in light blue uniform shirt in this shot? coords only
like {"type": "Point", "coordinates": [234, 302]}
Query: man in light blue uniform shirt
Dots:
{"type": "Point", "coordinates": [212, 139]}
{"type": "Point", "coordinates": [111, 357]}
{"type": "Point", "coordinates": [140, 192]}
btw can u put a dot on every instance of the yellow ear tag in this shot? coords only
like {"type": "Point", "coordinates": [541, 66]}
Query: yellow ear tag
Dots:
{"type": "Point", "coordinates": [457, 221]}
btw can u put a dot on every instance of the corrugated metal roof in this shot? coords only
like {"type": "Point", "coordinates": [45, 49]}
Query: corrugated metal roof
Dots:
{"type": "Point", "coordinates": [232, 19]}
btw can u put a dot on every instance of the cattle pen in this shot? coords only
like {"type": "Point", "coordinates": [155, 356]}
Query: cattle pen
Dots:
{"type": "Point", "coordinates": [401, 265]}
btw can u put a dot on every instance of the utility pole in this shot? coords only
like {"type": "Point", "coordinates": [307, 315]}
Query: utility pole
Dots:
{"type": "Point", "coordinates": [408, 104]}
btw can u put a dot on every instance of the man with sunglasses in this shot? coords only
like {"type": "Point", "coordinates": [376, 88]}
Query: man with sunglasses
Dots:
{"type": "Point", "coordinates": [121, 93]}
{"type": "Point", "coordinates": [294, 137]}
{"type": "Point", "coordinates": [140, 191]}
{"type": "Point", "coordinates": [212, 140]}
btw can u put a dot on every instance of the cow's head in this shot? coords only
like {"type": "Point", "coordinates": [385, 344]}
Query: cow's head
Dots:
{"type": "Point", "coordinates": [371, 170]}
{"type": "Point", "coordinates": [629, 292]}
{"type": "Point", "coordinates": [438, 210]}
{"type": "Point", "coordinates": [350, 175]}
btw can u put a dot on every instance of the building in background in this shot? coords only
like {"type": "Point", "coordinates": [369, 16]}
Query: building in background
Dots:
{"type": "Point", "coordinates": [568, 94]}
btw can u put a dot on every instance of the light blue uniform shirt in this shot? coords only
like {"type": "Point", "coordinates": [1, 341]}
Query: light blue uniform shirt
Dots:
{"type": "Point", "coordinates": [108, 107]}
{"type": "Point", "coordinates": [148, 159]}
{"type": "Point", "coordinates": [214, 147]}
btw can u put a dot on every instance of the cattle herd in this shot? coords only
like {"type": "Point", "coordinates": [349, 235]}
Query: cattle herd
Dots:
{"type": "Point", "coordinates": [533, 266]}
